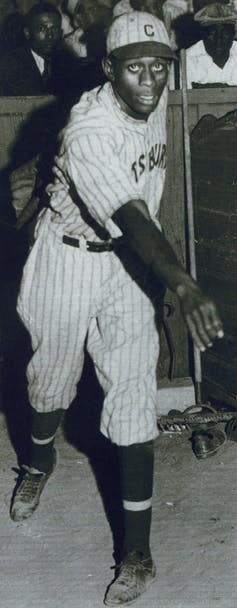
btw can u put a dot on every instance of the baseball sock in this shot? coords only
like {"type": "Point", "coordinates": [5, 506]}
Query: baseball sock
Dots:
{"type": "Point", "coordinates": [44, 427]}
{"type": "Point", "coordinates": [136, 466]}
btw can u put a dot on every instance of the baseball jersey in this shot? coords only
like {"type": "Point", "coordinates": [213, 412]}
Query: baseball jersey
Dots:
{"type": "Point", "coordinates": [202, 69]}
{"type": "Point", "coordinates": [106, 159]}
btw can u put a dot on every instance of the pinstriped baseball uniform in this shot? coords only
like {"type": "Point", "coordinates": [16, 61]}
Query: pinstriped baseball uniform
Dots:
{"type": "Point", "coordinates": [70, 296]}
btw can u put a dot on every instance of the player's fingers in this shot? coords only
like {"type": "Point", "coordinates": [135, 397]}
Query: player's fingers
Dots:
{"type": "Point", "coordinates": [199, 336]}
{"type": "Point", "coordinates": [205, 325]}
{"type": "Point", "coordinates": [211, 320]}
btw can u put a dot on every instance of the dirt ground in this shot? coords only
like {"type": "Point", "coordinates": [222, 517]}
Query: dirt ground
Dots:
{"type": "Point", "coordinates": [63, 555]}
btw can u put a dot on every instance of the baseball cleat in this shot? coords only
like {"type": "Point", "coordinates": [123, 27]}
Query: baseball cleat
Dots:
{"type": "Point", "coordinates": [28, 490]}
{"type": "Point", "coordinates": [133, 577]}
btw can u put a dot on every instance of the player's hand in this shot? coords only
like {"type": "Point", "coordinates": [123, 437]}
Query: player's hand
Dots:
{"type": "Point", "coordinates": [201, 316]}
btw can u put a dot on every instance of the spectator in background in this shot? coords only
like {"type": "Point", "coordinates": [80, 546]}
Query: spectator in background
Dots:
{"type": "Point", "coordinates": [149, 6]}
{"type": "Point", "coordinates": [27, 69]}
{"type": "Point", "coordinates": [41, 65]}
{"type": "Point", "coordinates": [122, 6]}
{"type": "Point", "coordinates": [12, 21]}
{"type": "Point", "coordinates": [90, 21]}
{"type": "Point", "coordinates": [88, 13]}
{"type": "Point", "coordinates": [213, 60]}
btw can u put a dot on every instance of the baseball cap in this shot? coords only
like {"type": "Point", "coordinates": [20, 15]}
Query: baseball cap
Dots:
{"type": "Point", "coordinates": [216, 13]}
{"type": "Point", "coordinates": [138, 34]}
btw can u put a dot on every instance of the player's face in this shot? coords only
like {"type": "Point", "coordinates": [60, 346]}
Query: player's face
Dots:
{"type": "Point", "coordinates": [44, 33]}
{"type": "Point", "coordinates": [138, 84]}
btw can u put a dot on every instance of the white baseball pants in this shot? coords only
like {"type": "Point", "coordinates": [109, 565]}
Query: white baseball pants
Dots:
{"type": "Point", "coordinates": [69, 298]}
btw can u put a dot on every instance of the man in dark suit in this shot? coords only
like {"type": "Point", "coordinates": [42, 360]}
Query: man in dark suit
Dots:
{"type": "Point", "coordinates": [40, 66]}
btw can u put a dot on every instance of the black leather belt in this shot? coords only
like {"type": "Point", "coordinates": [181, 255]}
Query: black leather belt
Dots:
{"type": "Point", "coordinates": [97, 247]}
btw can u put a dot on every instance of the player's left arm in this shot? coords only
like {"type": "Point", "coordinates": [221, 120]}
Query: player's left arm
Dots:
{"type": "Point", "coordinates": [150, 244]}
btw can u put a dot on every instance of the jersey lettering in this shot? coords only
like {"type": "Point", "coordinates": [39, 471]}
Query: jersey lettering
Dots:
{"type": "Point", "coordinates": [162, 160]}
{"type": "Point", "coordinates": [134, 169]}
{"type": "Point", "coordinates": [142, 164]}
{"type": "Point", "coordinates": [156, 158]}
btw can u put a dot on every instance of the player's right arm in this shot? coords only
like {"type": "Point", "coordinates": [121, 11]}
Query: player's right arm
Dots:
{"type": "Point", "coordinates": [104, 184]}
{"type": "Point", "coordinates": [150, 244]}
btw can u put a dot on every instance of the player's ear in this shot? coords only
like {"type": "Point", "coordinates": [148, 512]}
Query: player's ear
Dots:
{"type": "Point", "coordinates": [108, 68]}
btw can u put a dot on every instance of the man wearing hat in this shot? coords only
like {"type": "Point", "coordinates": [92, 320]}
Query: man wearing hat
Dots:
{"type": "Point", "coordinates": [213, 60]}
{"type": "Point", "coordinates": [149, 6]}
{"type": "Point", "coordinates": [86, 280]}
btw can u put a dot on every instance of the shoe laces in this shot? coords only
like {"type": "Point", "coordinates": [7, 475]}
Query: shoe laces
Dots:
{"type": "Point", "coordinates": [28, 485]}
{"type": "Point", "coordinates": [129, 566]}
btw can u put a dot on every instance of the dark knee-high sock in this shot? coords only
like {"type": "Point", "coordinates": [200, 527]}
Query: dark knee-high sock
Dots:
{"type": "Point", "coordinates": [44, 427]}
{"type": "Point", "coordinates": [136, 466]}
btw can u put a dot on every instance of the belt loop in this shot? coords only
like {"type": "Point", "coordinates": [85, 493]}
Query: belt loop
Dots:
{"type": "Point", "coordinates": [83, 244]}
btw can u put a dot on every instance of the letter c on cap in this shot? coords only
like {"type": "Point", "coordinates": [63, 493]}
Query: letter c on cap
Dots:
{"type": "Point", "coordinates": [149, 30]}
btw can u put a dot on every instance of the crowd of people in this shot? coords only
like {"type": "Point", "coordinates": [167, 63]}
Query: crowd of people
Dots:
{"type": "Point", "coordinates": [60, 52]}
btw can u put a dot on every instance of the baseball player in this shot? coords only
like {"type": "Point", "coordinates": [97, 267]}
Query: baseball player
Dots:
{"type": "Point", "coordinates": [86, 280]}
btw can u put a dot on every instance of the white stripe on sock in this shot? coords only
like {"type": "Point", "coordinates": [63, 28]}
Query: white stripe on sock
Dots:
{"type": "Point", "coordinates": [141, 505]}
{"type": "Point", "coordinates": [42, 441]}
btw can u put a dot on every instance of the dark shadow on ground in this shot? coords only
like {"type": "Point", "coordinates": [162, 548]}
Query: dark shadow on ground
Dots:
{"type": "Point", "coordinates": [81, 421]}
